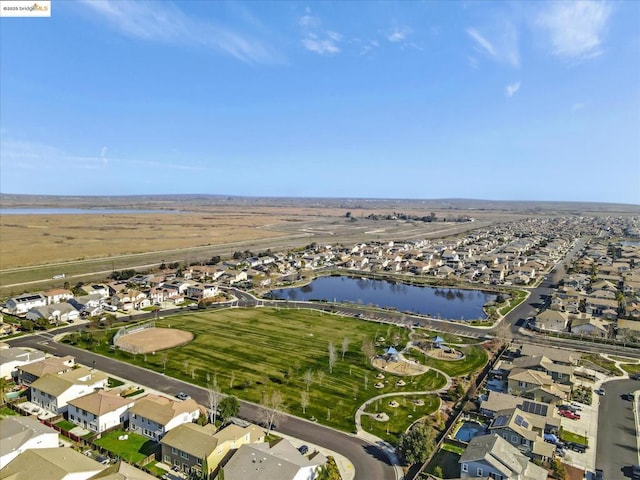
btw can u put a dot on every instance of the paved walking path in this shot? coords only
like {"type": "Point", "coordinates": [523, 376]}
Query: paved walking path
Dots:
{"type": "Point", "coordinates": [387, 448]}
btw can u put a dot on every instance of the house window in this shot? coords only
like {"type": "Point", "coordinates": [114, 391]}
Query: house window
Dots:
{"type": "Point", "coordinates": [505, 436]}
{"type": "Point", "coordinates": [184, 455]}
{"type": "Point", "coordinates": [522, 384]}
{"type": "Point", "coordinates": [479, 472]}
{"type": "Point", "coordinates": [185, 467]}
{"type": "Point", "coordinates": [514, 438]}
{"type": "Point", "coordinates": [525, 441]}
{"type": "Point", "coordinates": [465, 467]}
{"type": "Point", "coordinates": [176, 462]}
{"type": "Point", "coordinates": [167, 459]}
{"type": "Point", "coordinates": [174, 450]}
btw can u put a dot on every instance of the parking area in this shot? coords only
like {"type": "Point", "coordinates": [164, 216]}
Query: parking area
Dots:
{"type": "Point", "coordinates": [585, 426]}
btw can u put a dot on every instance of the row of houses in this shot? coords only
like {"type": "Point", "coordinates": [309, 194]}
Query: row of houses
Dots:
{"type": "Point", "coordinates": [520, 411]}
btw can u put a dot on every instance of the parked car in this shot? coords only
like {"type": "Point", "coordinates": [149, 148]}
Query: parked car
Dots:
{"type": "Point", "coordinates": [569, 414]}
{"type": "Point", "coordinates": [635, 376]}
{"type": "Point", "coordinates": [303, 449]}
{"type": "Point", "coordinates": [635, 472]}
{"type": "Point", "coordinates": [600, 391]}
{"type": "Point", "coordinates": [627, 396]}
{"type": "Point", "coordinates": [569, 408]}
{"type": "Point", "coordinates": [576, 447]}
{"type": "Point", "coordinates": [577, 406]}
{"type": "Point", "coordinates": [183, 396]}
{"type": "Point", "coordinates": [599, 474]}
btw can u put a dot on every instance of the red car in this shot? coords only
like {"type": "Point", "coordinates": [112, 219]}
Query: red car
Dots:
{"type": "Point", "coordinates": [569, 414]}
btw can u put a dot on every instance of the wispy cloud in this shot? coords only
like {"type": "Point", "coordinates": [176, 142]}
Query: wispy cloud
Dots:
{"type": "Point", "coordinates": [165, 23]}
{"type": "Point", "coordinates": [577, 106]}
{"type": "Point", "coordinates": [511, 89]}
{"type": "Point", "coordinates": [369, 46]}
{"type": "Point", "coordinates": [575, 29]}
{"type": "Point", "coordinates": [502, 48]}
{"type": "Point", "coordinates": [317, 39]}
{"type": "Point", "coordinates": [399, 34]}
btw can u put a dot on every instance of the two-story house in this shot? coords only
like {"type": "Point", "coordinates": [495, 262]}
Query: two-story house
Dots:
{"type": "Point", "coordinates": [198, 450]}
{"type": "Point", "coordinates": [30, 372]}
{"type": "Point", "coordinates": [490, 456]}
{"type": "Point", "coordinates": [536, 385]}
{"type": "Point", "coordinates": [13, 358]}
{"type": "Point", "coordinates": [523, 431]}
{"type": "Point", "coordinates": [153, 416]}
{"type": "Point", "coordinates": [18, 434]}
{"type": "Point", "coordinates": [100, 410]}
{"type": "Point", "coordinates": [53, 392]}
{"type": "Point", "coordinates": [23, 303]}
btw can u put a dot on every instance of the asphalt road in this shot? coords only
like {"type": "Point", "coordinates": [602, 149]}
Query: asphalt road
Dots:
{"type": "Point", "coordinates": [617, 446]}
{"type": "Point", "coordinates": [368, 460]}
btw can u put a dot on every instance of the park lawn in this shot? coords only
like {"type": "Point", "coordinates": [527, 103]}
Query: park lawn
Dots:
{"type": "Point", "coordinates": [519, 296]}
{"type": "Point", "coordinates": [135, 449]}
{"type": "Point", "coordinates": [449, 339]}
{"type": "Point", "coordinates": [400, 418]}
{"type": "Point", "coordinates": [475, 358]}
{"type": "Point", "coordinates": [631, 368]}
{"type": "Point", "coordinates": [250, 353]}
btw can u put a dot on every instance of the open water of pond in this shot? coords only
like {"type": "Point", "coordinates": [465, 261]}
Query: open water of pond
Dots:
{"type": "Point", "coordinates": [445, 303]}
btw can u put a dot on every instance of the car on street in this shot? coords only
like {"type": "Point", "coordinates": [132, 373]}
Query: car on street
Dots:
{"type": "Point", "coordinates": [635, 472]}
{"type": "Point", "coordinates": [600, 391]}
{"type": "Point", "coordinates": [627, 396]}
{"type": "Point", "coordinates": [569, 414]}
{"type": "Point", "coordinates": [183, 396]}
{"type": "Point", "coordinates": [635, 376]}
{"type": "Point", "coordinates": [599, 474]}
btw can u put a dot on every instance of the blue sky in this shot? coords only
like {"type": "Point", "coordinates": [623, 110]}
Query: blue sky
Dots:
{"type": "Point", "coordinates": [493, 100]}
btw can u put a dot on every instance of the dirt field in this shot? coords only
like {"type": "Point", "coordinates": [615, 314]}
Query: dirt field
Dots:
{"type": "Point", "coordinates": [153, 340]}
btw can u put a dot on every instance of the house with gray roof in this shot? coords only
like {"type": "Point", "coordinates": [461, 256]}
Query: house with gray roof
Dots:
{"type": "Point", "coordinates": [267, 461]}
{"type": "Point", "coordinates": [60, 463]}
{"type": "Point", "coordinates": [18, 434]}
{"type": "Point", "coordinates": [492, 456]}
{"type": "Point", "coordinates": [14, 357]}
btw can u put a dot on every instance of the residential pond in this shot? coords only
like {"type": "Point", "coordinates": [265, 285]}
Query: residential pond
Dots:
{"type": "Point", "coordinates": [445, 303]}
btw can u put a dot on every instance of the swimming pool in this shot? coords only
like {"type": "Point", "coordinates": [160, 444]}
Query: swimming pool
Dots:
{"type": "Point", "coordinates": [468, 430]}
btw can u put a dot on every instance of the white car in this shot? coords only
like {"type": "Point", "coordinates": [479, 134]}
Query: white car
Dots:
{"type": "Point", "coordinates": [577, 406]}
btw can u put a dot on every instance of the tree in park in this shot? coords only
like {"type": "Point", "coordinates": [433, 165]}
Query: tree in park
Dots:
{"type": "Point", "coordinates": [368, 349]}
{"type": "Point", "coordinates": [304, 401]}
{"type": "Point", "coordinates": [332, 356]}
{"type": "Point", "coordinates": [416, 445]}
{"type": "Point", "coordinates": [320, 377]}
{"type": "Point", "coordinates": [345, 346]}
{"type": "Point", "coordinates": [229, 407]}
{"type": "Point", "coordinates": [308, 378]}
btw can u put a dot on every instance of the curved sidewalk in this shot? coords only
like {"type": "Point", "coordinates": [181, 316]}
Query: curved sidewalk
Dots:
{"type": "Point", "coordinates": [386, 447]}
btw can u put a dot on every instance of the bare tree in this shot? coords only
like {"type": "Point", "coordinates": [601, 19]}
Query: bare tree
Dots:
{"type": "Point", "coordinates": [213, 400]}
{"type": "Point", "coordinates": [304, 401]}
{"type": "Point", "coordinates": [185, 364]}
{"type": "Point", "coordinates": [271, 410]}
{"type": "Point", "coordinates": [308, 378]}
{"type": "Point", "coordinates": [232, 379]}
{"type": "Point", "coordinates": [193, 372]}
{"type": "Point", "coordinates": [366, 380]}
{"type": "Point", "coordinates": [332, 356]}
{"type": "Point", "coordinates": [164, 359]}
{"type": "Point", "coordinates": [368, 349]}
{"type": "Point", "coordinates": [345, 346]}
{"type": "Point", "coordinates": [320, 376]}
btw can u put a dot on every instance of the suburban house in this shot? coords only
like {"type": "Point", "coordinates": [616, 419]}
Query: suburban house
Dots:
{"type": "Point", "coordinates": [59, 463]}
{"type": "Point", "coordinates": [23, 303]}
{"type": "Point", "coordinates": [153, 416]}
{"type": "Point", "coordinates": [88, 304]}
{"type": "Point", "coordinates": [266, 461]}
{"type": "Point", "coordinates": [130, 300]}
{"type": "Point", "coordinates": [97, 288]}
{"type": "Point", "coordinates": [524, 433]}
{"type": "Point", "coordinates": [57, 295]}
{"type": "Point", "coordinates": [590, 326]}
{"type": "Point", "coordinates": [13, 358]}
{"type": "Point", "coordinates": [490, 456]}
{"type": "Point", "coordinates": [536, 386]}
{"type": "Point", "coordinates": [100, 410]}
{"type": "Point", "coordinates": [551, 320]}
{"type": "Point", "coordinates": [18, 434]}
{"type": "Point", "coordinates": [542, 416]}
{"type": "Point", "coordinates": [54, 313]}
{"type": "Point", "coordinates": [32, 371]}
{"type": "Point", "coordinates": [53, 391]}
{"type": "Point", "coordinates": [559, 373]}
{"type": "Point", "coordinates": [200, 291]}
{"type": "Point", "coordinates": [200, 450]}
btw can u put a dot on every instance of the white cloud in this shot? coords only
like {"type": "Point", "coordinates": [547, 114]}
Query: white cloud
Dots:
{"type": "Point", "coordinates": [163, 22]}
{"type": "Point", "coordinates": [575, 29]}
{"type": "Point", "coordinates": [511, 89]}
{"type": "Point", "coordinates": [398, 34]}
{"type": "Point", "coordinates": [577, 106]}
{"type": "Point", "coordinates": [502, 48]}
{"type": "Point", "coordinates": [316, 39]}
{"type": "Point", "coordinates": [482, 42]}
